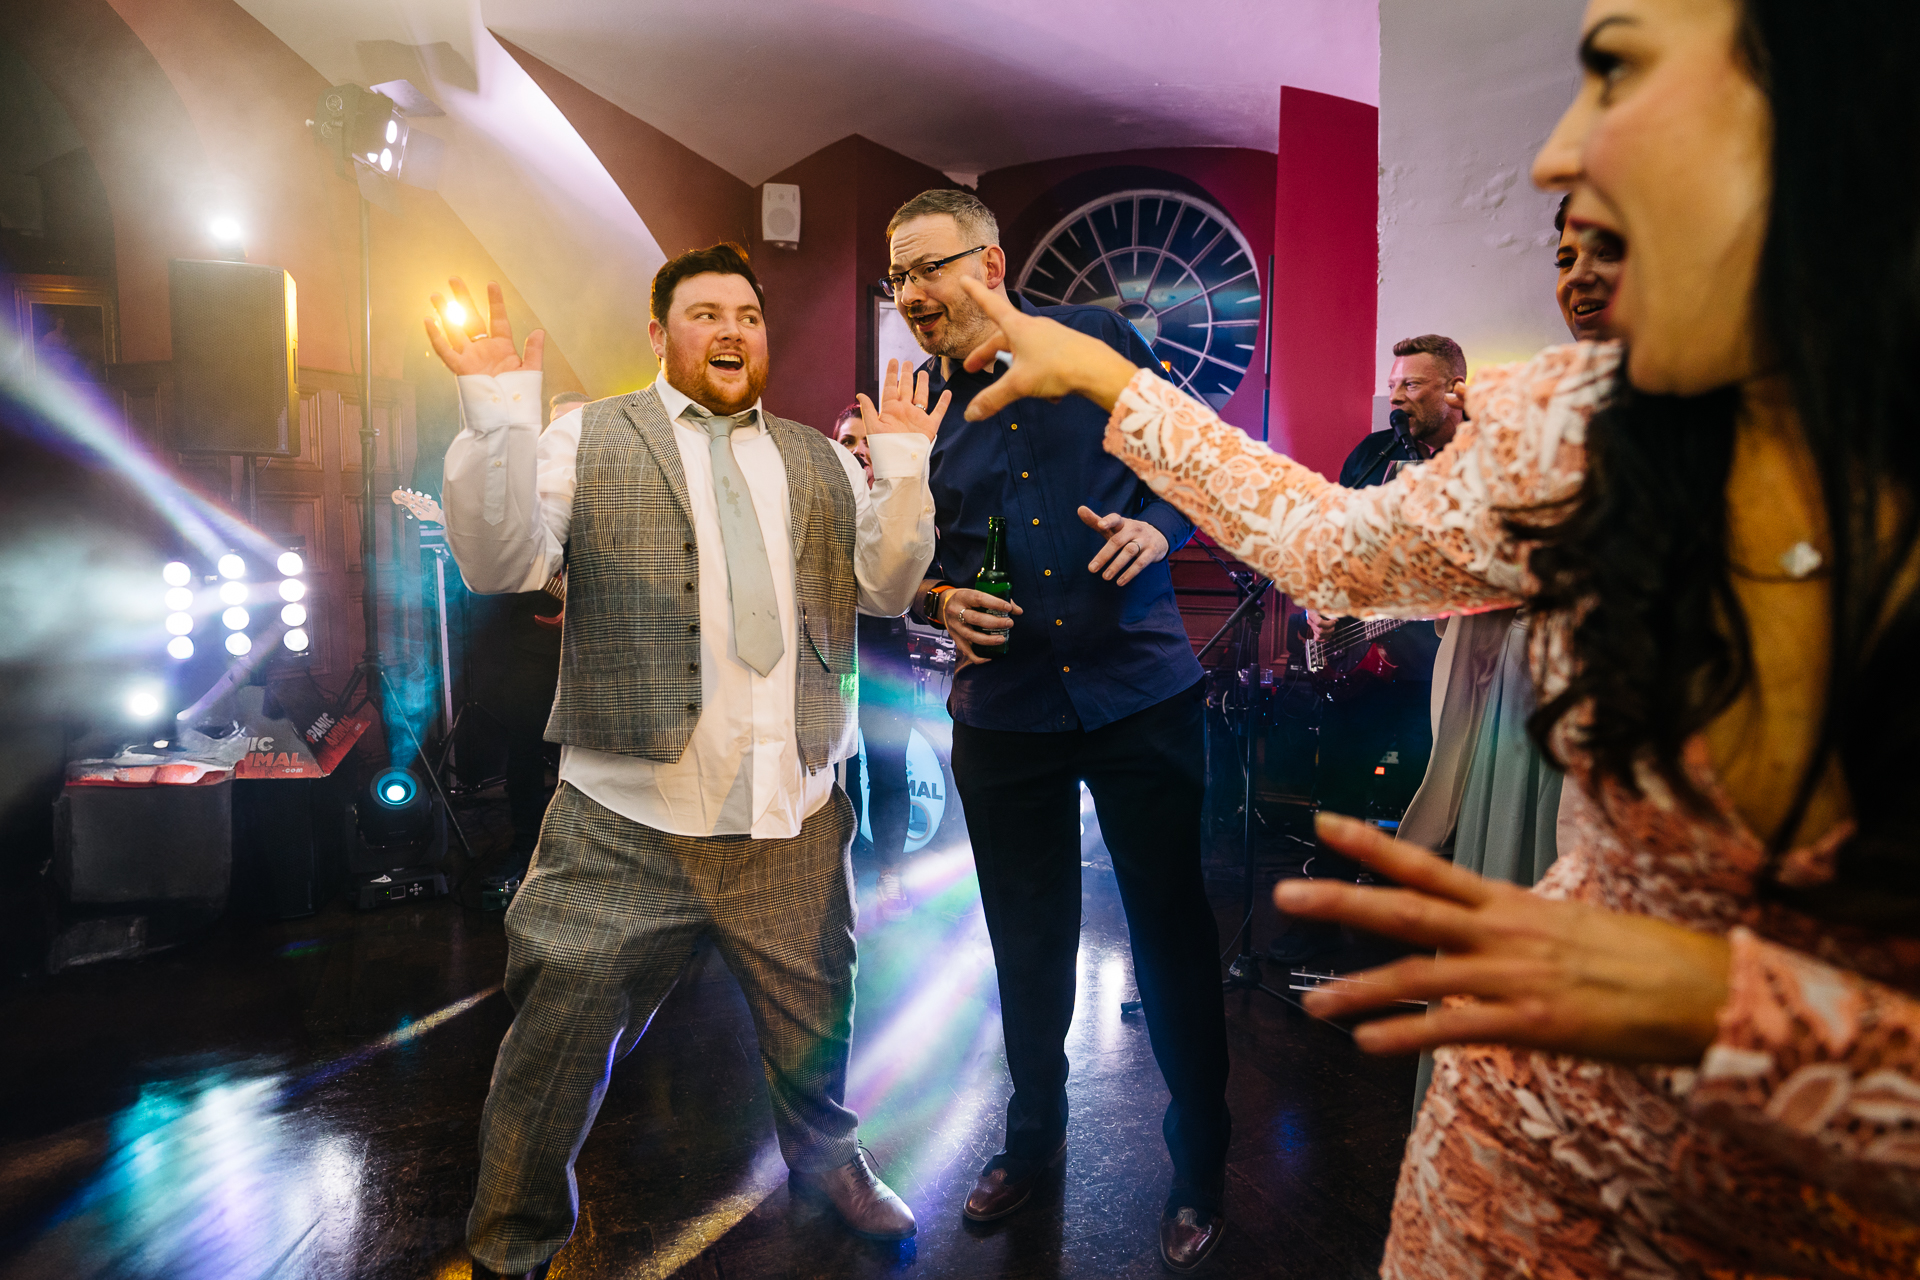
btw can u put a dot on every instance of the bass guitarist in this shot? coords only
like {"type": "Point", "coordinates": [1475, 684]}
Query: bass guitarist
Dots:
{"type": "Point", "coordinates": [1379, 720]}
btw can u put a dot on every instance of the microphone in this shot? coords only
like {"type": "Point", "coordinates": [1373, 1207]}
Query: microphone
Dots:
{"type": "Point", "coordinates": [1398, 421]}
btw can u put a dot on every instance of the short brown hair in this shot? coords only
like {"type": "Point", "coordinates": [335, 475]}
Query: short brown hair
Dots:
{"type": "Point", "coordinates": [975, 220]}
{"type": "Point", "coordinates": [1440, 347]}
{"type": "Point", "coordinates": [723, 259]}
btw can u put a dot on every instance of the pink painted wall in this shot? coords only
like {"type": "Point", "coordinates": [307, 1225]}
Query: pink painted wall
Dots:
{"type": "Point", "coordinates": [1326, 273]}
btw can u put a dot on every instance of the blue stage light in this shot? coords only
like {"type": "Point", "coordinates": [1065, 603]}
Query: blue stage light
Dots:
{"type": "Point", "coordinates": [395, 788]}
{"type": "Point", "coordinates": [232, 566]}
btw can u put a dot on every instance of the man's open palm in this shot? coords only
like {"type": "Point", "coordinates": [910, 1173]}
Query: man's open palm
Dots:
{"type": "Point", "coordinates": [470, 343]}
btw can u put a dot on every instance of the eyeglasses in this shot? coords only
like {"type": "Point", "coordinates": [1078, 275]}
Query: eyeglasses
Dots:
{"type": "Point", "coordinates": [892, 283]}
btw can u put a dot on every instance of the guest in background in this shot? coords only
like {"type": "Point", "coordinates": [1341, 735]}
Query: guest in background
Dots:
{"type": "Point", "coordinates": [1491, 800]}
{"type": "Point", "coordinates": [886, 715]}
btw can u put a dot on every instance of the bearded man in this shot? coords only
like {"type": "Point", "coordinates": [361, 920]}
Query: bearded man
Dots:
{"type": "Point", "coordinates": [1097, 685]}
{"type": "Point", "coordinates": [716, 557]}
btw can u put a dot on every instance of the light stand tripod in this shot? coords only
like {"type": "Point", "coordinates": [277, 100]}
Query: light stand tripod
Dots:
{"type": "Point", "coordinates": [1244, 623]}
{"type": "Point", "coordinates": [369, 679]}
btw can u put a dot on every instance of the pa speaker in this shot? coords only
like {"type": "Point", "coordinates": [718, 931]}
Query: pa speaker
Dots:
{"type": "Point", "coordinates": [235, 359]}
{"type": "Point", "coordinates": [780, 214]}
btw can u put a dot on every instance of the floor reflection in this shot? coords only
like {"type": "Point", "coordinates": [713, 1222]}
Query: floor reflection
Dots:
{"type": "Point", "coordinates": [301, 1101]}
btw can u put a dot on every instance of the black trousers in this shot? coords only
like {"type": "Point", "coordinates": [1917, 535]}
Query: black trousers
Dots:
{"type": "Point", "coordinates": [886, 725]}
{"type": "Point", "coordinates": [1021, 792]}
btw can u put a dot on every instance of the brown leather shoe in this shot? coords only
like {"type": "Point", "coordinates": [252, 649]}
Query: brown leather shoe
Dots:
{"type": "Point", "coordinates": [999, 1190]}
{"type": "Point", "coordinates": [866, 1204]}
{"type": "Point", "coordinates": [1187, 1236]}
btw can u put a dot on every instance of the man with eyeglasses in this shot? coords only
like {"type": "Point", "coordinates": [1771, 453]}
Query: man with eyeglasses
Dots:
{"type": "Point", "coordinates": [1097, 684]}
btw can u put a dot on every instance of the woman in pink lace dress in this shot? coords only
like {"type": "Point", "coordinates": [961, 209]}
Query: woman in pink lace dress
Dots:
{"type": "Point", "coordinates": [1694, 1049]}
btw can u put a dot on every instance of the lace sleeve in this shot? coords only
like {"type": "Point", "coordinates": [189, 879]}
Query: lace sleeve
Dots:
{"type": "Point", "coordinates": [1820, 1067]}
{"type": "Point", "coordinates": [1431, 541]}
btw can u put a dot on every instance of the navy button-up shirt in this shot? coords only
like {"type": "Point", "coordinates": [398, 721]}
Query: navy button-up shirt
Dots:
{"type": "Point", "coordinates": [1085, 652]}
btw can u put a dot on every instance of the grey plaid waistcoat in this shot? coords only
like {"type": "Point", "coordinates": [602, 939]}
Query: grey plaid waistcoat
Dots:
{"type": "Point", "coordinates": [630, 649]}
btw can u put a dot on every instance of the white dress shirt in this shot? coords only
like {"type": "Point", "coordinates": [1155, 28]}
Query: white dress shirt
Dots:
{"type": "Point", "coordinates": [508, 500]}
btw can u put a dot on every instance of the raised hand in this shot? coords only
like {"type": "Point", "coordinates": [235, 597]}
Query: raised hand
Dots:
{"type": "Point", "coordinates": [1049, 359]}
{"type": "Point", "coordinates": [1543, 974]}
{"type": "Point", "coordinates": [903, 404]}
{"type": "Point", "coordinates": [476, 343]}
{"type": "Point", "coordinates": [1132, 545]}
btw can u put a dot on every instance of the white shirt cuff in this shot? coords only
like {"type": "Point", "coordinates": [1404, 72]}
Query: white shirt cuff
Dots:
{"type": "Point", "coordinates": [898, 455]}
{"type": "Point", "coordinates": [500, 400]}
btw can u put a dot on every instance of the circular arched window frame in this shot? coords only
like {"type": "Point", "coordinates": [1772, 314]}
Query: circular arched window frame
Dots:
{"type": "Point", "coordinates": [1172, 264]}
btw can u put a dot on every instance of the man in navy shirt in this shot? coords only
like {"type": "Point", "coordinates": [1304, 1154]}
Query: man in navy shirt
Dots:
{"type": "Point", "coordinates": [1099, 684]}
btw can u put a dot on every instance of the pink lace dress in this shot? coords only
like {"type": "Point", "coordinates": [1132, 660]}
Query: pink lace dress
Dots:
{"type": "Point", "coordinates": [1793, 1149]}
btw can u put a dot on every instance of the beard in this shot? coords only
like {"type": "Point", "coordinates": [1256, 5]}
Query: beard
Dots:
{"type": "Point", "coordinates": [962, 326]}
{"type": "Point", "coordinates": [1425, 427]}
{"type": "Point", "coordinates": [718, 391]}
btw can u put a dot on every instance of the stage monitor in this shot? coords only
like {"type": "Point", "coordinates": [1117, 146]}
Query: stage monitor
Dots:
{"type": "Point", "coordinates": [235, 359]}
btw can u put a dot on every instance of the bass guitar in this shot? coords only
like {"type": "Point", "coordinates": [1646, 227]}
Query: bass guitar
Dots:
{"type": "Point", "coordinates": [1349, 661]}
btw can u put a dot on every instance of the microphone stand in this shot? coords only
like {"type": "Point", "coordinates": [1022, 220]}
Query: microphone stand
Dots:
{"type": "Point", "coordinates": [1245, 620]}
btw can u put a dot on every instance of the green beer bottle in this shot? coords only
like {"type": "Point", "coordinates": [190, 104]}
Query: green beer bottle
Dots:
{"type": "Point", "coordinates": [993, 578]}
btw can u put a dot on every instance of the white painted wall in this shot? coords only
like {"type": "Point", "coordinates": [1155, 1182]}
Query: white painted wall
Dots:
{"type": "Point", "coordinates": [1469, 90]}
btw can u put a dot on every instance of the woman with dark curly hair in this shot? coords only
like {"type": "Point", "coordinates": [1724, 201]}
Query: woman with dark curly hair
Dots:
{"type": "Point", "coordinates": [1694, 1049]}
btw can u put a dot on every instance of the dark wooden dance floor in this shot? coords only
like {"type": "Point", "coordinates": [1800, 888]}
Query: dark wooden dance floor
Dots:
{"type": "Point", "coordinates": [300, 1099]}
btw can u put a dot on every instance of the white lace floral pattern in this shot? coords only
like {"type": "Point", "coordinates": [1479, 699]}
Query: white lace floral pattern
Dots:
{"type": "Point", "coordinates": [1794, 1149]}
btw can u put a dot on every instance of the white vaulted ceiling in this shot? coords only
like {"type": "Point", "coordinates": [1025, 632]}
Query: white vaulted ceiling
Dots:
{"type": "Point", "coordinates": [965, 86]}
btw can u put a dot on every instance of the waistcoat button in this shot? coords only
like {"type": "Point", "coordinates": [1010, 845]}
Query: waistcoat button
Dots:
{"type": "Point", "coordinates": [689, 546]}
{"type": "Point", "coordinates": [693, 628]}
{"type": "Point", "coordinates": [689, 586]}
{"type": "Point", "coordinates": [693, 708]}
{"type": "Point", "coordinates": [693, 666]}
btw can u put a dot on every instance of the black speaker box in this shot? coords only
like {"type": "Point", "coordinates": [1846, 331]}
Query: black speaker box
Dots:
{"type": "Point", "coordinates": [291, 837]}
{"type": "Point", "coordinates": [115, 845]}
{"type": "Point", "coordinates": [235, 359]}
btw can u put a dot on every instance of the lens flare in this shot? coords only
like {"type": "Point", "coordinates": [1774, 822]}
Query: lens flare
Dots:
{"type": "Point", "coordinates": [296, 640]}
{"type": "Point", "coordinates": [236, 619]}
{"type": "Point", "coordinates": [294, 615]}
{"type": "Point", "coordinates": [177, 574]}
{"type": "Point", "coordinates": [232, 566]}
{"type": "Point", "coordinates": [456, 314]}
{"type": "Point", "coordinates": [225, 230]}
{"type": "Point", "coordinates": [291, 564]}
{"type": "Point", "coordinates": [179, 647]}
{"type": "Point", "coordinates": [143, 703]}
{"type": "Point", "coordinates": [238, 645]}
{"type": "Point", "coordinates": [233, 593]}
{"type": "Point", "coordinates": [291, 589]}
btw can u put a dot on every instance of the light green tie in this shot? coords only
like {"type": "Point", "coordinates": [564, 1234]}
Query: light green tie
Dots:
{"type": "Point", "coordinates": [756, 617]}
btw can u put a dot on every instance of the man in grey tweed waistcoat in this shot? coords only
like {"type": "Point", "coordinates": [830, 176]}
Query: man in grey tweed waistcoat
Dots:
{"type": "Point", "coordinates": [716, 556]}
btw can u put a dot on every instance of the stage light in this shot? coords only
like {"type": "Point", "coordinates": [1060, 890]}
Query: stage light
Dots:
{"type": "Point", "coordinates": [395, 788]}
{"type": "Point", "coordinates": [179, 599]}
{"type": "Point", "coordinates": [238, 645]}
{"type": "Point", "coordinates": [296, 640]}
{"type": "Point", "coordinates": [294, 615]}
{"type": "Point", "coordinates": [456, 316]}
{"type": "Point", "coordinates": [143, 704]}
{"type": "Point", "coordinates": [290, 564]}
{"type": "Point", "coordinates": [180, 647]}
{"type": "Point", "coordinates": [393, 131]}
{"type": "Point", "coordinates": [233, 593]}
{"type": "Point", "coordinates": [225, 230]}
{"type": "Point", "coordinates": [232, 566]}
{"type": "Point", "coordinates": [292, 589]}
{"type": "Point", "coordinates": [179, 624]}
{"type": "Point", "coordinates": [161, 743]}
{"type": "Point", "coordinates": [386, 159]}
{"type": "Point", "coordinates": [177, 574]}
{"type": "Point", "coordinates": [236, 619]}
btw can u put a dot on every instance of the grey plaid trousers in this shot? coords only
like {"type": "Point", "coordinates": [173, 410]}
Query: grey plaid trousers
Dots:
{"type": "Point", "coordinates": [597, 936]}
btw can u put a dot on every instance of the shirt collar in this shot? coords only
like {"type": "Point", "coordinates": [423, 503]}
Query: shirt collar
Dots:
{"type": "Point", "coordinates": [675, 401]}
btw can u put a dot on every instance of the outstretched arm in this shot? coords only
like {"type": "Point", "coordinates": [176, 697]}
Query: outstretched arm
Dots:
{"type": "Point", "coordinates": [508, 491]}
{"type": "Point", "coordinates": [1433, 540]}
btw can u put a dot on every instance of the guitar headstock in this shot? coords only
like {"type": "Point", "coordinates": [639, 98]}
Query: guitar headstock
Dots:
{"type": "Point", "coordinates": [419, 506]}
